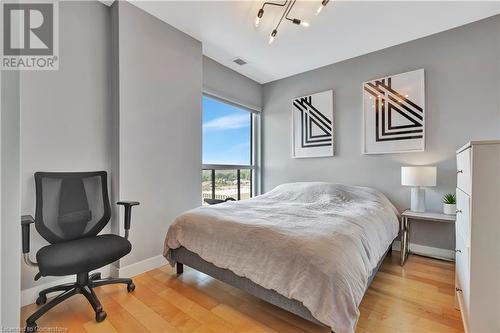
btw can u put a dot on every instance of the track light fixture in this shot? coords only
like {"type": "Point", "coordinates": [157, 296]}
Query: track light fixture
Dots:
{"type": "Point", "coordinates": [259, 16]}
{"type": "Point", "coordinates": [273, 35]}
{"type": "Point", "coordinates": [320, 8]}
{"type": "Point", "coordinates": [300, 22]}
{"type": "Point", "coordinates": [288, 4]}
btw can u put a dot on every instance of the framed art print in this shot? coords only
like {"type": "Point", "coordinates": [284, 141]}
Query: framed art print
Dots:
{"type": "Point", "coordinates": [313, 125]}
{"type": "Point", "coordinates": [394, 113]}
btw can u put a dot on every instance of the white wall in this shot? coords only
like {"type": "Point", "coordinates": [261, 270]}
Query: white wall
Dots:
{"type": "Point", "coordinates": [228, 84]}
{"type": "Point", "coordinates": [158, 108]}
{"type": "Point", "coordinates": [462, 104]}
{"type": "Point", "coordinates": [66, 114]}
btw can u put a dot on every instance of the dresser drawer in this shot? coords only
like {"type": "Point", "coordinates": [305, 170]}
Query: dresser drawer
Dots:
{"type": "Point", "coordinates": [463, 307]}
{"type": "Point", "coordinates": [462, 271]}
{"type": "Point", "coordinates": [462, 224]}
{"type": "Point", "coordinates": [464, 171]}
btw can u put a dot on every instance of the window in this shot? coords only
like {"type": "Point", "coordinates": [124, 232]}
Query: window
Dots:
{"type": "Point", "coordinates": [227, 151]}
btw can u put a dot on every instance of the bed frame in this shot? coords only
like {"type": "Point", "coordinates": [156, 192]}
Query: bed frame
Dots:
{"type": "Point", "coordinates": [182, 257]}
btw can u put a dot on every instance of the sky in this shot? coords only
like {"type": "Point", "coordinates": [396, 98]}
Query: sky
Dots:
{"type": "Point", "coordinates": [226, 133]}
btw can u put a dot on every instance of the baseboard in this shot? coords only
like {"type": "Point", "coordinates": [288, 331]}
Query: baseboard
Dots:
{"type": "Point", "coordinates": [28, 296]}
{"type": "Point", "coordinates": [140, 267]}
{"type": "Point", "coordinates": [428, 251]}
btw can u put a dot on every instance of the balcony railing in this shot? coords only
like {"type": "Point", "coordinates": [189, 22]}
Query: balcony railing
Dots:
{"type": "Point", "coordinates": [231, 181]}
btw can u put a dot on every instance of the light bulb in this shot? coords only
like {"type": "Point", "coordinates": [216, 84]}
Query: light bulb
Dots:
{"type": "Point", "coordinates": [305, 24]}
{"type": "Point", "coordinates": [260, 13]}
{"type": "Point", "coordinates": [273, 34]}
{"type": "Point", "coordinates": [323, 4]}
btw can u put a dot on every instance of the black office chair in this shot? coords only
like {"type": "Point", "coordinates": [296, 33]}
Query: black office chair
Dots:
{"type": "Point", "coordinates": [71, 209]}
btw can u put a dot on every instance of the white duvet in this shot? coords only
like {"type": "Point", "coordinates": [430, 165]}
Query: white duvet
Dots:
{"type": "Point", "coordinates": [316, 242]}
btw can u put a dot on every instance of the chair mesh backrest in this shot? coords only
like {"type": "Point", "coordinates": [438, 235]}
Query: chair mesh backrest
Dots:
{"type": "Point", "coordinates": [71, 205]}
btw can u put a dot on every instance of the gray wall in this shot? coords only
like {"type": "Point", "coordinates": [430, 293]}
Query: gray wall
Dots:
{"type": "Point", "coordinates": [224, 82]}
{"type": "Point", "coordinates": [65, 114]}
{"type": "Point", "coordinates": [462, 104]}
{"type": "Point", "coordinates": [10, 231]}
{"type": "Point", "coordinates": [159, 135]}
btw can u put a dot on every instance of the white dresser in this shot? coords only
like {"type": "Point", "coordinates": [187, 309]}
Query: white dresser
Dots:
{"type": "Point", "coordinates": [477, 275]}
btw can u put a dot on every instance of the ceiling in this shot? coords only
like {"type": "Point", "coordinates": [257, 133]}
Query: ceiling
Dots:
{"type": "Point", "coordinates": [345, 29]}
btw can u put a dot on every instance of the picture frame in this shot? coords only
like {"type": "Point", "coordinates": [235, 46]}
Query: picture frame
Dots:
{"type": "Point", "coordinates": [394, 113]}
{"type": "Point", "coordinates": [313, 125]}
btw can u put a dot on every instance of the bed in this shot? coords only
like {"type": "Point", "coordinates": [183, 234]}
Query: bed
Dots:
{"type": "Point", "coordinates": [310, 248]}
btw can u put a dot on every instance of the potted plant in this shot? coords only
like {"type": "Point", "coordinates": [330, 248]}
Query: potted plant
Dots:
{"type": "Point", "coordinates": [450, 204]}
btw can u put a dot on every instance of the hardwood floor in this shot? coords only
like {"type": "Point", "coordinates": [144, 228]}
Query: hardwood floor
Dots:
{"type": "Point", "coordinates": [418, 297]}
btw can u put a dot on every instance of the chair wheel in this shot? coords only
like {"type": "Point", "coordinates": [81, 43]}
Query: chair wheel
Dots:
{"type": "Point", "coordinates": [42, 299]}
{"type": "Point", "coordinates": [30, 327]}
{"type": "Point", "coordinates": [130, 287]}
{"type": "Point", "coordinates": [100, 316]}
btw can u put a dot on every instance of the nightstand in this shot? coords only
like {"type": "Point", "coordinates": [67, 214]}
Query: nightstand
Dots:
{"type": "Point", "coordinates": [408, 216]}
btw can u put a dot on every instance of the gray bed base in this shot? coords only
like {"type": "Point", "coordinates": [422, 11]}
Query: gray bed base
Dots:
{"type": "Point", "coordinates": [183, 256]}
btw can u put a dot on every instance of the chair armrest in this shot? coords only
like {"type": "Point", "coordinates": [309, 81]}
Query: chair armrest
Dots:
{"type": "Point", "coordinates": [128, 211]}
{"type": "Point", "coordinates": [26, 220]}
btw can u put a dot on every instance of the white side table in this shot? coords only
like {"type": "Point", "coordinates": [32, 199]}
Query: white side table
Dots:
{"type": "Point", "coordinates": [408, 216]}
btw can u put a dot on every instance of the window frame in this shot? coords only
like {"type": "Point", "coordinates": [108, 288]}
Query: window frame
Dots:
{"type": "Point", "coordinates": [254, 150]}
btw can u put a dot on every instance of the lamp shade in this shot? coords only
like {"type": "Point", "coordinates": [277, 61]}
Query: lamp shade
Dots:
{"type": "Point", "coordinates": [418, 176]}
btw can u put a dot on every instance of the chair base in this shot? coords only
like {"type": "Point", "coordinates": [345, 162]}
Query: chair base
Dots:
{"type": "Point", "coordinates": [84, 285]}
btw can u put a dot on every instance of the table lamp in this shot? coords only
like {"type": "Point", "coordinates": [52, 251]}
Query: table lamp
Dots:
{"type": "Point", "coordinates": [418, 177]}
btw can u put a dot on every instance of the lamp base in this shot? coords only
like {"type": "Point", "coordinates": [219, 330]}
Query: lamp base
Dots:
{"type": "Point", "coordinates": [417, 199]}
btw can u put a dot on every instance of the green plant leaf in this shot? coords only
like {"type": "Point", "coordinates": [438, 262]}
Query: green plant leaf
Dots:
{"type": "Point", "coordinates": [450, 198]}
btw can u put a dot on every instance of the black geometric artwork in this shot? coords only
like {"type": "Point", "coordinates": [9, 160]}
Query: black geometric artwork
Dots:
{"type": "Point", "coordinates": [387, 102]}
{"type": "Point", "coordinates": [316, 128]}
